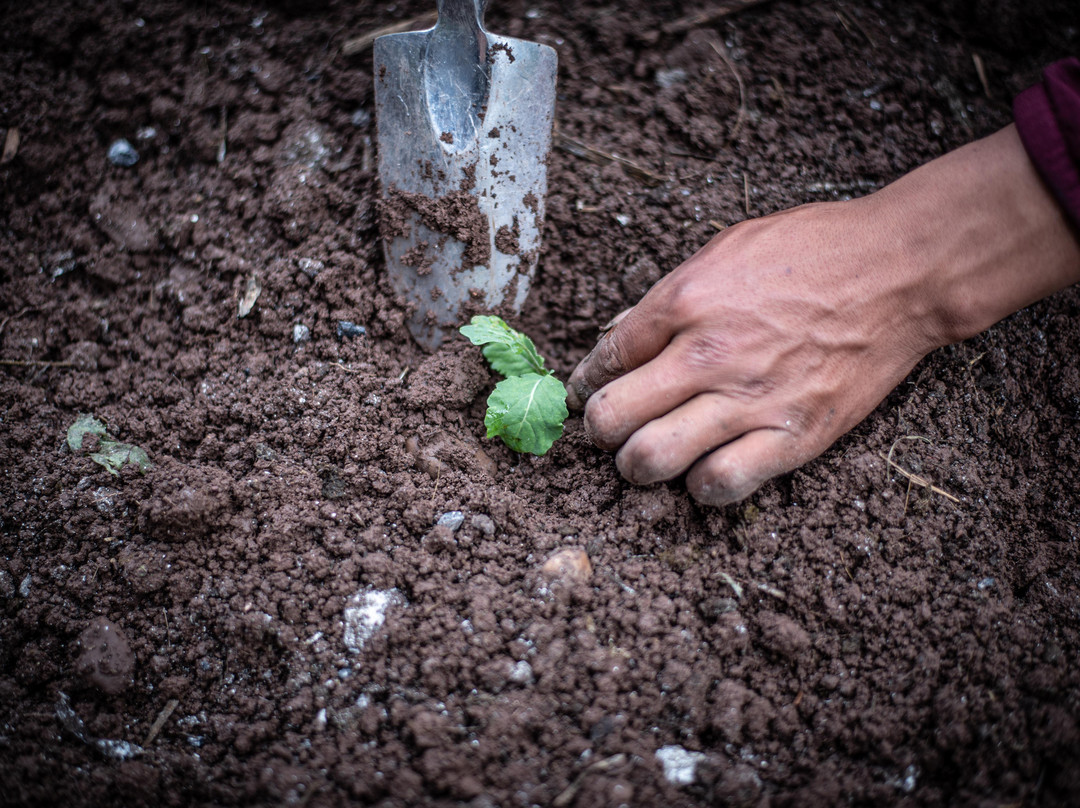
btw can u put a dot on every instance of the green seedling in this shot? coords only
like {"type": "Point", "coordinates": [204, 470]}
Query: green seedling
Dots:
{"type": "Point", "coordinates": [111, 454]}
{"type": "Point", "coordinates": [527, 408]}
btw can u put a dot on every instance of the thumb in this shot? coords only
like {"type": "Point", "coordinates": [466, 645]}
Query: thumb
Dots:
{"type": "Point", "coordinates": [628, 341]}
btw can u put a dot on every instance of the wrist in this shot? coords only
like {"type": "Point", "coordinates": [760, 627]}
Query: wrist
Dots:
{"type": "Point", "coordinates": [981, 237]}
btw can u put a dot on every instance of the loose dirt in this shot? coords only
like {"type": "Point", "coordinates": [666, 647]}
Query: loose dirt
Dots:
{"type": "Point", "coordinates": [331, 590]}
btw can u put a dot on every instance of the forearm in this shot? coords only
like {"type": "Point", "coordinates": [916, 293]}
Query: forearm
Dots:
{"type": "Point", "coordinates": [982, 236]}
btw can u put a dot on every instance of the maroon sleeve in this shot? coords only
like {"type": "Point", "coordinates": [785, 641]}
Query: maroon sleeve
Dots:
{"type": "Point", "coordinates": [1048, 120]}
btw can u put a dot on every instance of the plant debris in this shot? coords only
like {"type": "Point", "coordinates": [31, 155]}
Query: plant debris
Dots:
{"type": "Point", "coordinates": [111, 454]}
{"type": "Point", "coordinates": [251, 294]}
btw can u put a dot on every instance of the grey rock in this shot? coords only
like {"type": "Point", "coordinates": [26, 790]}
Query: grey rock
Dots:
{"type": "Point", "coordinates": [521, 673]}
{"type": "Point", "coordinates": [122, 153]}
{"type": "Point", "coordinates": [347, 329]}
{"type": "Point", "coordinates": [7, 585]}
{"type": "Point", "coordinates": [310, 266]}
{"type": "Point", "coordinates": [452, 519]}
{"type": "Point", "coordinates": [365, 614]}
{"type": "Point", "coordinates": [669, 78]}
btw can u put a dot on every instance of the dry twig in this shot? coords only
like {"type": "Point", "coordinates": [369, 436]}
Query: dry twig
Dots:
{"type": "Point", "coordinates": [851, 24]}
{"type": "Point", "coordinates": [593, 155]}
{"type": "Point", "coordinates": [847, 569]}
{"type": "Point", "coordinates": [342, 367]}
{"type": "Point", "coordinates": [11, 145]}
{"type": "Point", "coordinates": [721, 51]}
{"type": "Point", "coordinates": [15, 316]}
{"type": "Point", "coordinates": [570, 792]}
{"type": "Point", "coordinates": [772, 591]}
{"type": "Point", "coordinates": [911, 477]}
{"type": "Point", "coordinates": [365, 41]}
{"type": "Point", "coordinates": [980, 68]}
{"type": "Point", "coordinates": [159, 722]}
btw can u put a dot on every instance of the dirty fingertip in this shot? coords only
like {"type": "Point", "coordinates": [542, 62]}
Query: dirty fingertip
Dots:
{"type": "Point", "coordinates": [576, 394]}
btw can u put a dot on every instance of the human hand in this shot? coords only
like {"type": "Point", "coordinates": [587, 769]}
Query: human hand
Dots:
{"type": "Point", "coordinates": [756, 354]}
{"type": "Point", "coordinates": [782, 333]}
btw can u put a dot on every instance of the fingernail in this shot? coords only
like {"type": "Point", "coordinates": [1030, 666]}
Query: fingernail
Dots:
{"type": "Point", "coordinates": [573, 400]}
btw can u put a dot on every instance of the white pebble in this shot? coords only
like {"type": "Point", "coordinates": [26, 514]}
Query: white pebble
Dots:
{"type": "Point", "coordinates": [366, 614]}
{"type": "Point", "coordinates": [680, 765]}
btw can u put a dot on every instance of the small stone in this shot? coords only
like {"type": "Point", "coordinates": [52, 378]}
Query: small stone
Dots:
{"type": "Point", "coordinates": [122, 153]}
{"type": "Point", "coordinates": [484, 523]}
{"type": "Point", "coordinates": [365, 614]}
{"type": "Point", "coordinates": [570, 564]}
{"type": "Point", "coordinates": [105, 498]}
{"type": "Point", "coordinates": [347, 329]}
{"type": "Point", "coordinates": [7, 584]}
{"type": "Point", "coordinates": [24, 587]}
{"type": "Point", "coordinates": [300, 333]}
{"type": "Point", "coordinates": [451, 519]}
{"type": "Point", "coordinates": [361, 118]}
{"type": "Point", "coordinates": [521, 673]}
{"type": "Point", "coordinates": [680, 765]}
{"type": "Point", "coordinates": [310, 266]}
{"type": "Point", "coordinates": [146, 133]}
{"type": "Point", "coordinates": [669, 78]}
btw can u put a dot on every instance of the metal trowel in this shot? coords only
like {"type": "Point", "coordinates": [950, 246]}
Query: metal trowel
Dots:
{"type": "Point", "coordinates": [464, 122]}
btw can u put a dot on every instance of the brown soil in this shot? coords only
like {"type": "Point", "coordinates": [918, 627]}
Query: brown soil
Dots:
{"type": "Point", "coordinates": [456, 214]}
{"type": "Point", "coordinates": [330, 589]}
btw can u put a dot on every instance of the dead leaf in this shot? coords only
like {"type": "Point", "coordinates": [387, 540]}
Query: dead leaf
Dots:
{"type": "Point", "coordinates": [11, 146]}
{"type": "Point", "coordinates": [251, 294]}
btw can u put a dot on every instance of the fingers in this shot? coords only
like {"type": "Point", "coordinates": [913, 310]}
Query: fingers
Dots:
{"type": "Point", "coordinates": [631, 340]}
{"type": "Point", "coordinates": [736, 470]}
{"type": "Point", "coordinates": [625, 405]}
{"type": "Point", "coordinates": [666, 447]}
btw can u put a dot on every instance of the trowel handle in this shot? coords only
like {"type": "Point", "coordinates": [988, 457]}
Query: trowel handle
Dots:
{"type": "Point", "coordinates": [462, 13]}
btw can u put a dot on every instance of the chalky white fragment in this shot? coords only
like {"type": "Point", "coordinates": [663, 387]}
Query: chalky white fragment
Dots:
{"type": "Point", "coordinates": [680, 765]}
{"type": "Point", "coordinates": [365, 613]}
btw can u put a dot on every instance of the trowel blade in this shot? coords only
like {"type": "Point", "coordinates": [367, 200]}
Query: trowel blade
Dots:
{"type": "Point", "coordinates": [462, 204]}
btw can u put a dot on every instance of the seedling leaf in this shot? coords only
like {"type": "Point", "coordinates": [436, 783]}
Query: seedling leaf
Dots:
{"type": "Point", "coordinates": [84, 425]}
{"type": "Point", "coordinates": [507, 361]}
{"type": "Point", "coordinates": [111, 454]}
{"type": "Point", "coordinates": [527, 412]}
{"type": "Point", "coordinates": [528, 407]}
{"type": "Point", "coordinates": [509, 352]}
{"type": "Point", "coordinates": [114, 456]}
